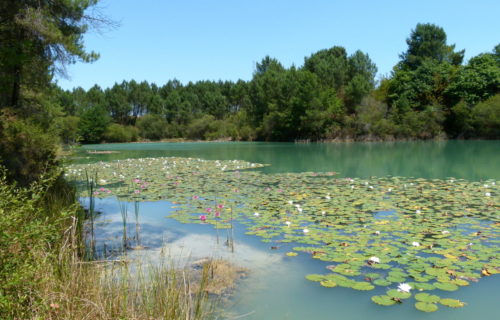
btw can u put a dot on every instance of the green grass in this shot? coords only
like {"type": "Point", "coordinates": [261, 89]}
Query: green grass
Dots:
{"type": "Point", "coordinates": [45, 272]}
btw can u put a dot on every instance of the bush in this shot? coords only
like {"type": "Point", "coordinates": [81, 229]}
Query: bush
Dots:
{"type": "Point", "coordinates": [30, 231]}
{"type": "Point", "coordinates": [199, 127]}
{"type": "Point", "coordinates": [119, 133]}
{"type": "Point", "coordinates": [154, 127]}
{"type": "Point", "coordinates": [486, 118]}
{"type": "Point", "coordinates": [26, 150]}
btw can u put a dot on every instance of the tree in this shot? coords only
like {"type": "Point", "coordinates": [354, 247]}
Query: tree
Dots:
{"type": "Point", "coordinates": [41, 38]}
{"type": "Point", "coordinates": [428, 42]}
{"type": "Point", "coordinates": [477, 81]}
{"type": "Point", "coordinates": [331, 66]}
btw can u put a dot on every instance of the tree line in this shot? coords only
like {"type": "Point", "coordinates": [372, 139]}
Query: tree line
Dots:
{"type": "Point", "coordinates": [430, 93]}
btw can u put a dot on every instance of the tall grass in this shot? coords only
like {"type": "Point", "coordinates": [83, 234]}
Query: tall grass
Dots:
{"type": "Point", "coordinates": [45, 273]}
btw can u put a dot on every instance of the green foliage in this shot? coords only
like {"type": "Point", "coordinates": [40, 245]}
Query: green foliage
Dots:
{"type": "Point", "coordinates": [477, 81]}
{"type": "Point", "coordinates": [28, 230]}
{"type": "Point", "coordinates": [428, 42]}
{"type": "Point", "coordinates": [43, 36]}
{"type": "Point", "coordinates": [67, 129]}
{"type": "Point", "coordinates": [154, 127]}
{"type": "Point", "coordinates": [26, 149]}
{"type": "Point", "coordinates": [119, 133]}
{"type": "Point", "coordinates": [93, 124]}
{"type": "Point", "coordinates": [486, 118]}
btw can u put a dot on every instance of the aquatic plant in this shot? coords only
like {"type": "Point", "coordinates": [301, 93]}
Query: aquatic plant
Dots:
{"type": "Point", "coordinates": [426, 233]}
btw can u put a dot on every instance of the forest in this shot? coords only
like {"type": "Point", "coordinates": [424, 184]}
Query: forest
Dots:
{"type": "Point", "coordinates": [431, 93]}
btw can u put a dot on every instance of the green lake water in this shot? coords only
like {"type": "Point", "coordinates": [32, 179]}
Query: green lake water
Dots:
{"type": "Point", "coordinates": [275, 287]}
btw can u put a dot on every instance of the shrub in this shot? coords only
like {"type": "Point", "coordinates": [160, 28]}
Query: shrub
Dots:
{"type": "Point", "coordinates": [26, 149]}
{"type": "Point", "coordinates": [154, 127]}
{"type": "Point", "coordinates": [119, 133]}
{"type": "Point", "coordinates": [486, 118]}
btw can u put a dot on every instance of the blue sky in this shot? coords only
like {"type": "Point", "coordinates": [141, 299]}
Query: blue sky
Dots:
{"type": "Point", "coordinates": [190, 40]}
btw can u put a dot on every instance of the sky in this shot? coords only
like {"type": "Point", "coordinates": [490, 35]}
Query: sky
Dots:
{"type": "Point", "coordinates": [193, 40]}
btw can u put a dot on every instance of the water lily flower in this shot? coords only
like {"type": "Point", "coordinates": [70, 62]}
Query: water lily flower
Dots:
{"type": "Point", "coordinates": [256, 214]}
{"type": "Point", "coordinates": [323, 213]}
{"type": "Point", "coordinates": [280, 190]}
{"type": "Point", "coordinates": [374, 260]}
{"type": "Point", "coordinates": [203, 218]}
{"type": "Point", "coordinates": [102, 189]}
{"type": "Point", "coordinates": [196, 197]}
{"type": "Point", "coordinates": [418, 211]}
{"type": "Point", "coordinates": [305, 230]}
{"type": "Point", "coordinates": [208, 210]}
{"type": "Point", "coordinates": [137, 191]}
{"type": "Point", "coordinates": [108, 191]}
{"type": "Point", "coordinates": [220, 206]}
{"type": "Point", "coordinates": [445, 232]}
{"type": "Point", "coordinates": [102, 181]}
{"type": "Point", "coordinates": [487, 194]}
{"type": "Point", "coordinates": [328, 197]}
{"type": "Point", "coordinates": [377, 233]}
{"type": "Point", "coordinates": [96, 193]}
{"type": "Point", "coordinates": [415, 244]}
{"type": "Point", "coordinates": [288, 223]}
{"type": "Point", "coordinates": [390, 189]}
{"type": "Point", "coordinates": [290, 202]}
{"type": "Point", "coordinates": [404, 287]}
{"type": "Point", "coordinates": [217, 213]}
{"type": "Point", "coordinates": [137, 180]}
{"type": "Point", "coordinates": [371, 187]}
{"type": "Point", "coordinates": [486, 186]}
{"type": "Point", "coordinates": [299, 209]}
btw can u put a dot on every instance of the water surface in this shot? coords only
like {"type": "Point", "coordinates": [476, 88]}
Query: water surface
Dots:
{"type": "Point", "coordinates": [276, 287]}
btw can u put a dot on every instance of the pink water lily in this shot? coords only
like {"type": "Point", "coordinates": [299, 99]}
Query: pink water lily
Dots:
{"type": "Point", "coordinates": [203, 218]}
{"type": "Point", "coordinates": [217, 213]}
{"type": "Point", "coordinates": [208, 210]}
{"type": "Point", "coordinates": [196, 197]}
{"type": "Point", "coordinates": [220, 206]}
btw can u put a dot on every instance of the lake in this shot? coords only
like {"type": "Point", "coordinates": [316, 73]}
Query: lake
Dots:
{"type": "Point", "coordinates": [276, 287]}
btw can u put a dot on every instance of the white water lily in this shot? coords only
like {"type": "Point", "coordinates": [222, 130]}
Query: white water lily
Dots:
{"type": "Point", "coordinates": [371, 187]}
{"type": "Point", "coordinates": [377, 233]}
{"type": "Point", "coordinates": [445, 232]}
{"type": "Point", "coordinates": [487, 194]}
{"type": "Point", "coordinates": [290, 202]}
{"type": "Point", "coordinates": [418, 212]}
{"type": "Point", "coordinates": [404, 287]}
{"type": "Point", "coordinates": [256, 214]}
{"type": "Point", "coordinates": [299, 209]}
{"type": "Point", "coordinates": [323, 213]}
{"type": "Point", "coordinates": [374, 259]}
{"type": "Point", "coordinates": [390, 189]}
{"type": "Point", "coordinates": [288, 223]}
{"type": "Point", "coordinates": [305, 230]}
{"type": "Point", "coordinates": [328, 197]}
{"type": "Point", "coordinates": [486, 186]}
{"type": "Point", "coordinates": [415, 244]}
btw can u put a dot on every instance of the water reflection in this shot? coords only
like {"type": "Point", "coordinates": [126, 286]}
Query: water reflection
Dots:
{"type": "Point", "coordinates": [473, 160]}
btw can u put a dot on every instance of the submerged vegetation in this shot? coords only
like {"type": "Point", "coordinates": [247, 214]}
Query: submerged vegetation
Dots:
{"type": "Point", "coordinates": [404, 234]}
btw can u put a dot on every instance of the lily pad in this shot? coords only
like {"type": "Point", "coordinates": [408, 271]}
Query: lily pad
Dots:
{"type": "Point", "coordinates": [425, 297]}
{"type": "Point", "coordinates": [383, 300]}
{"type": "Point", "coordinates": [452, 303]}
{"type": "Point", "coordinates": [426, 307]}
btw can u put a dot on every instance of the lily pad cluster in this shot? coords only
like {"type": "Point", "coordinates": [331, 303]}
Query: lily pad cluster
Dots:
{"type": "Point", "coordinates": [405, 235]}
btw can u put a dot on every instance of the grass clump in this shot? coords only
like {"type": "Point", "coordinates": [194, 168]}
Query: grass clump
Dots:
{"type": "Point", "coordinates": [43, 273]}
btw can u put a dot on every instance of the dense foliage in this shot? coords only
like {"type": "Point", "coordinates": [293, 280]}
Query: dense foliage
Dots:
{"type": "Point", "coordinates": [430, 94]}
